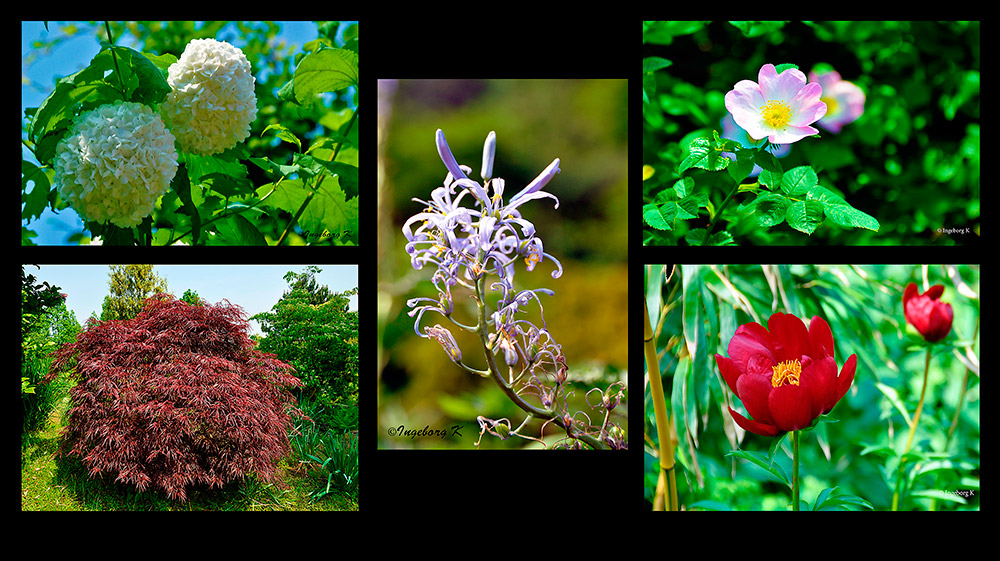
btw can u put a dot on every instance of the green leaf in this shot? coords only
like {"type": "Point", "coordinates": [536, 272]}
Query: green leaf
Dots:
{"type": "Point", "coordinates": [804, 216]}
{"type": "Point", "coordinates": [782, 67]}
{"type": "Point", "coordinates": [770, 179]}
{"type": "Point", "coordinates": [162, 62]}
{"type": "Point", "coordinates": [757, 28]}
{"type": "Point", "coordinates": [327, 70]}
{"type": "Point", "coordinates": [654, 63]}
{"type": "Point", "coordinates": [761, 460]}
{"type": "Point", "coordinates": [274, 171]}
{"type": "Point", "coordinates": [660, 217]}
{"type": "Point", "coordinates": [772, 172]}
{"type": "Point", "coordinates": [60, 107]}
{"type": "Point", "coordinates": [700, 237]}
{"type": "Point", "coordinates": [824, 195]}
{"type": "Point", "coordinates": [832, 499]}
{"type": "Point", "coordinates": [684, 186]}
{"type": "Point", "coordinates": [181, 185]}
{"type": "Point", "coordinates": [770, 209]}
{"type": "Point", "coordinates": [287, 91]}
{"type": "Point", "coordinates": [796, 181]}
{"type": "Point", "coordinates": [237, 230]}
{"type": "Point", "coordinates": [848, 216]}
{"type": "Point", "coordinates": [775, 445]}
{"type": "Point", "coordinates": [743, 165]}
{"type": "Point", "coordinates": [347, 173]}
{"type": "Point", "coordinates": [34, 202]}
{"type": "Point", "coordinates": [283, 134]}
{"type": "Point", "coordinates": [725, 144]}
{"type": "Point", "coordinates": [152, 85]}
{"type": "Point", "coordinates": [709, 505]}
{"type": "Point", "coordinates": [839, 211]}
{"type": "Point", "coordinates": [328, 210]}
{"type": "Point", "coordinates": [701, 154]}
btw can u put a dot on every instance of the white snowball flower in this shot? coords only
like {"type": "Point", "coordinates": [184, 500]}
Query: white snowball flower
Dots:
{"type": "Point", "coordinates": [211, 103]}
{"type": "Point", "coordinates": [115, 163]}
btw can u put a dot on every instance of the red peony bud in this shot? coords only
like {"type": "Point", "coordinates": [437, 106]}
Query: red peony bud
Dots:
{"type": "Point", "coordinates": [927, 313]}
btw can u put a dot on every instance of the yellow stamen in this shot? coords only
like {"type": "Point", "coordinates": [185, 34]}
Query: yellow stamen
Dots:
{"type": "Point", "coordinates": [776, 114]}
{"type": "Point", "coordinates": [831, 105]}
{"type": "Point", "coordinates": [786, 372]}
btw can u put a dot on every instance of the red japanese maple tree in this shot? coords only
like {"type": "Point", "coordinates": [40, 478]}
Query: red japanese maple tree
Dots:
{"type": "Point", "coordinates": [177, 396]}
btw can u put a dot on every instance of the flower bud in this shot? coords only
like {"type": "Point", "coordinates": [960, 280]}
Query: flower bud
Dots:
{"type": "Point", "coordinates": [447, 158]}
{"type": "Point", "coordinates": [927, 313]}
{"type": "Point", "coordinates": [540, 181]}
{"type": "Point", "coordinates": [488, 148]}
{"type": "Point", "coordinates": [443, 336]}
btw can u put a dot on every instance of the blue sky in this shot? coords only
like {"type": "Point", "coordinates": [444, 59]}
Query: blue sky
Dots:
{"type": "Point", "coordinates": [255, 288]}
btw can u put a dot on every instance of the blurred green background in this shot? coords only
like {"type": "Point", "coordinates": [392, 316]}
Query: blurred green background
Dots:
{"type": "Point", "coordinates": [581, 122]}
{"type": "Point", "coordinates": [911, 160]}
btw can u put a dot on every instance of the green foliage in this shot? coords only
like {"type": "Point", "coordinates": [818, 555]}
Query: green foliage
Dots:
{"type": "Point", "coordinates": [794, 197]}
{"type": "Point", "coordinates": [128, 288]}
{"type": "Point", "coordinates": [326, 70]}
{"type": "Point", "coordinates": [311, 328]}
{"type": "Point", "coordinates": [191, 297]}
{"type": "Point", "coordinates": [336, 458]}
{"type": "Point", "coordinates": [42, 333]}
{"type": "Point", "coordinates": [305, 196]}
{"type": "Point", "coordinates": [905, 172]}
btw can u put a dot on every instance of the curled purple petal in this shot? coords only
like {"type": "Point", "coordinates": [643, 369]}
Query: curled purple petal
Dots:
{"type": "Point", "coordinates": [539, 181]}
{"type": "Point", "coordinates": [447, 158]}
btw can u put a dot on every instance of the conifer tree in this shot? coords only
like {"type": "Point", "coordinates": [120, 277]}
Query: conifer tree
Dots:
{"type": "Point", "coordinates": [129, 286]}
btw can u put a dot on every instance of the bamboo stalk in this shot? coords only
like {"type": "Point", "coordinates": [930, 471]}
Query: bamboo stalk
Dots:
{"type": "Point", "coordinates": [666, 483]}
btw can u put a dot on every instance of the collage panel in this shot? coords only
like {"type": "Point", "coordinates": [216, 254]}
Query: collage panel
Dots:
{"type": "Point", "coordinates": [503, 267]}
{"type": "Point", "coordinates": [185, 387]}
{"type": "Point", "coordinates": [190, 133]}
{"type": "Point", "coordinates": [812, 387]}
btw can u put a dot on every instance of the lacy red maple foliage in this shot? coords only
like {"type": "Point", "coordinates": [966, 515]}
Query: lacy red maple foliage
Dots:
{"type": "Point", "coordinates": [177, 396]}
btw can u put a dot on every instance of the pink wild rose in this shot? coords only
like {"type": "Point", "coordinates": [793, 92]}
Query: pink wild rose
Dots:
{"type": "Point", "coordinates": [845, 102]}
{"type": "Point", "coordinates": [780, 107]}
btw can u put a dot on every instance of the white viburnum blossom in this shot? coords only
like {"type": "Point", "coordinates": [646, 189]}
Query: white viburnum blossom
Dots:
{"type": "Point", "coordinates": [115, 162]}
{"type": "Point", "coordinates": [211, 103]}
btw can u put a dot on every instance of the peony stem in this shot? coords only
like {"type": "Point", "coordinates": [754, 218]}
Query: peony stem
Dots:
{"type": "Point", "coordinates": [913, 428]}
{"type": "Point", "coordinates": [795, 470]}
{"type": "Point", "coordinates": [920, 404]}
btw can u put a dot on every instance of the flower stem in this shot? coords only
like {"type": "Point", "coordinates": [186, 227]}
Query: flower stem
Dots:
{"type": "Point", "coordinates": [722, 207]}
{"type": "Point", "coordinates": [114, 57]}
{"type": "Point", "coordinates": [795, 470]}
{"type": "Point", "coordinates": [913, 429]}
{"type": "Point", "coordinates": [510, 391]}
{"type": "Point", "coordinates": [666, 480]}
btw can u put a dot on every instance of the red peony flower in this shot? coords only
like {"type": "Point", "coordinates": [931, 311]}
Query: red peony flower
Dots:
{"type": "Point", "coordinates": [785, 375]}
{"type": "Point", "coordinates": [930, 316]}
